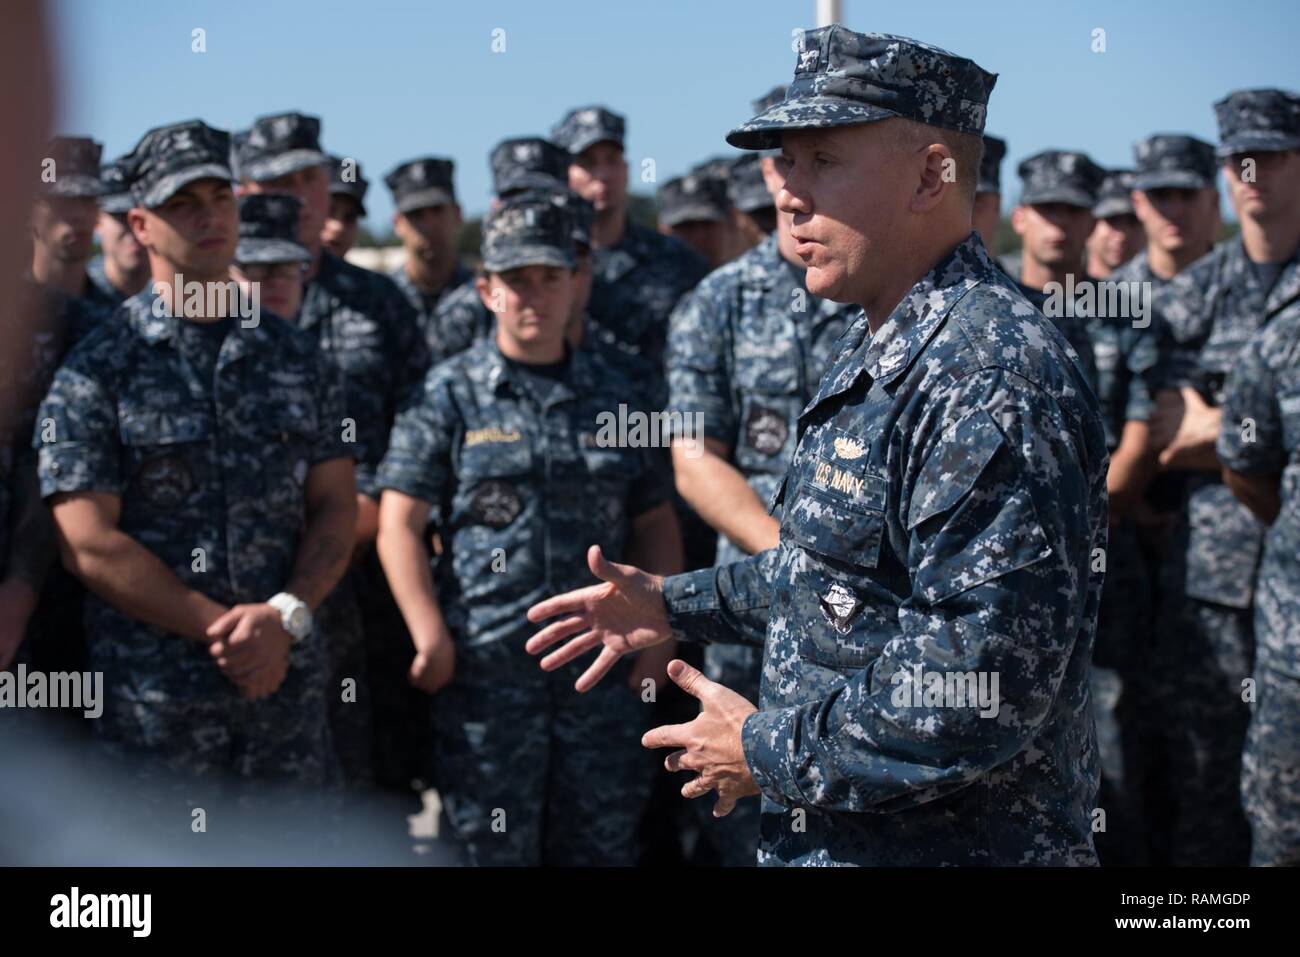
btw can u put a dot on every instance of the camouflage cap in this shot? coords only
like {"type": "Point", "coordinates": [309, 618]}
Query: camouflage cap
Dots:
{"type": "Point", "coordinates": [72, 163]}
{"type": "Point", "coordinates": [1115, 195]}
{"type": "Point", "coordinates": [995, 150]}
{"type": "Point", "coordinates": [114, 179]}
{"type": "Point", "coordinates": [268, 229]}
{"type": "Point", "coordinates": [528, 229]}
{"type": "Point", "coordinates": [844, 78]}
{"type": "Point", "coordinates": [1257, 120]}
{"type": "Point", "coordinates": [277, 145]}
{"type": "Point", "coordinates": [581, 214]}
{"type": "Point", "coordinates": [587, 125]}
{"type": "Point", "coordinates": [169, 157]}
{"type": "Point", "coordinates": [346, 180]}
{"type": "Point", "coordinates": [528, 162]}
{"type": "Point", "coordinates": [746, 187]}
{"type": "Point", "coordinates": [1174, 160]}
{"type": "Point", "coordinates": [718, 167]}
{"type": "Point", "coordinates": [694, 197]}
{"type": "Point", "coordinates": [1058, 176]}
{"type": "Point", "coordinates": [420, 183]}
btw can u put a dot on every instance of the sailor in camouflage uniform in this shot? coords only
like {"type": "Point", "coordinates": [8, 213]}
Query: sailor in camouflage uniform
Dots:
{"type": "Point", "coordinates": [1259, 446]}
{"type": "Point", "coordinates": [206, 517]}
{"type": "Point", "coordinates": [348, 187]}
{"type": "Point", "coordinates": [506, 450]}
{"type": "Point", "coordinates": [746, 350]}
{"type": "Point", "coordinates": [695, 209]}
{"type": "Point", "coordinates": [427, 222]}
{"type": "Point", "coordinates": [367, 330]}
{"type": "Point", "coordinates": [1205, 637]}
{"type": "Point", "coordinates": [1116, 234]}
{"type": "Point", "coordinates": [122, 269]}
{"type": "Point", "coordinates": [60, 304]}
{"type": "Point", "coordinates": [1124, 347]}
{"type": "Point", "coordinates": [944, 501]}
{"type": "Point", "coordinates": [639, 274]}
{"type": "Point", "coordinates": [1054, 220]}
{"type": "Point", "coordinates": [518, 164]}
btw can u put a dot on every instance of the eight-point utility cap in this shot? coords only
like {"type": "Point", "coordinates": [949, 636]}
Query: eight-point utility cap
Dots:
{"type": "Point", "coordinates": [346, 180]}
{"type": "Point", "coordinates": [1258, 121]}
{"type": "Point", "coordinates": [268, 230]}
{"type": "Point", "coordinates": [114, 178]}
{"type": "Point", "coordinates": [586, 126]}
{"type": "Point", "coordinates": [844, 78]}
{"type": "Point", "coordinates": [745, 186]}
{"type": "Point", "coordinates": [169, 157]}
{"type": "Point", "coordinates": [1115, 195]}
{"type": "Point", "coordinates": [1058, 176]}
{"type": "Point", "coordinates": [694, 197]}
{"type": "Point", "coordinates": [420, 183]}
{"type": "Point", "coordinates": [990, 178]}
{"type": "Point", "coordinates": [528, 162]}
{"type": "Point", "coordinates": [528, 229]}
{"type": "Point", "coordinates": [1174, 160]}
{"type": "Point", "coordinates": [70, 168]}
{"type": "Point", "coordinates": [277, 145]}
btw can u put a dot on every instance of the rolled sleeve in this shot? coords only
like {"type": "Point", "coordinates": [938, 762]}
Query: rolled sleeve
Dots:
{"type": "Point", "coordinates": [1250, 436]}
{"type": "Point", "coordinates": [418, 461]}
{"type": "Point", "coordinates": [77, 437]}
{"type": "Point", "coordinates": [699, 387]}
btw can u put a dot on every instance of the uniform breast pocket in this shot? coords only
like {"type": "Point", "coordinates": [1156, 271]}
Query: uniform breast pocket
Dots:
{"type": "Point", "coordinates": [836, 518]}
{"type": "Point", "coordinates": [289, 434]}
{"type": "Point", "coordinates": [493, 480]}
{"type": "Point", "coordinates": [610, 474]}
{"type": "Point", "coordinates": [168, 455]}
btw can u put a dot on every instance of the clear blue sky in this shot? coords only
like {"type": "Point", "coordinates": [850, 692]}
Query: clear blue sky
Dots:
{"type": "Point", "coordinates": [394, 79]}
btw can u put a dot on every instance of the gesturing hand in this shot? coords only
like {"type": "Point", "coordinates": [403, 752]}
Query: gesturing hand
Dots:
{"type": "Point", "coordinates": [624, 613]}
{"type": "Point", "coordinates": [711, 744]}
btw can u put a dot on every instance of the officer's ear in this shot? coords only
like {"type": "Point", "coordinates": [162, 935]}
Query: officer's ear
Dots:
{"type": "Point", "coordinates": [482, 282]}
{"type": "Point", "coordinates": [138, 221]}
{"type": "Point", "coordinates": [455, 213]}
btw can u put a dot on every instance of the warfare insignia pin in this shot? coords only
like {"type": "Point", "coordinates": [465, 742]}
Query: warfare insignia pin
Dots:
{"type": "Point", "coordinates": [849, 449]}
{"type": "Point", "coordinates": [839, 607]}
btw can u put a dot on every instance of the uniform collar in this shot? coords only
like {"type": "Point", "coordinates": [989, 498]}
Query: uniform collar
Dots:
{"type": "Point", "coordinates": [154, 329]}
{"type": "Point", "coordinates": [502, 378]}
{"type": "Point", "coordinates": [923, 309]}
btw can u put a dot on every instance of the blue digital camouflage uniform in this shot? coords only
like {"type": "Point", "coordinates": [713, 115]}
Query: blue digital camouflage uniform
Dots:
{"type": "Point", "coordinates": [941, 512]}
{"type": "Point", "coordinates": [746, 350]}
{"type": "Point", "coordinates": [427, 305]}
{"type": "Point", "coordinates": [199, 463]}
{"type": "Point", "coordinates": [518, 491]}
{"type": "Point", "coordinates": [1261, 436]}
{"type": "Point", "coordinates": [1205, 636]}
{"type": "Point", "coordinates": [1057, 176]}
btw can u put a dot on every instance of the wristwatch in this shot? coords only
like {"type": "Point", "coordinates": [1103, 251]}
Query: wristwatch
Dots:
{"type": "Point", "coordinates": [295, 616]}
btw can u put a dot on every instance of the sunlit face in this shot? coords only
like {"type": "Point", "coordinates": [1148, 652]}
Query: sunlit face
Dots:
{"type": "Point", "coordinates": [1264, 185]}
{"type": "Point", "coordinates": [1053, 234]}
{"type": "Point", "coordinates": [65, 226]}
{"type": "Point", "coordinates": [280, 285]}
{"type": "Point", "coordinates": [1176, 219]}
{"type": "Point", "coordinates": [532, 303]}
{"type": "Point", "coordinates": [340, 231]}
{"type": "Point", "coordinates": [429, 233]}
{"type": "Point", "coordinates": [194, 232]}
{"type": "Point", "coordinates": [838, 227]}
{"type": "Point", "coordinates": [1115, 240]}
{"type": "Point", "coordinates": [311, 186]}
{"type": "Point", "coordinates": [599, 175]}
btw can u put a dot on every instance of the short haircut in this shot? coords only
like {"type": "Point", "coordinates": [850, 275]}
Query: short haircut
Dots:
{"type": "Point", "coordinates": [967, 148]}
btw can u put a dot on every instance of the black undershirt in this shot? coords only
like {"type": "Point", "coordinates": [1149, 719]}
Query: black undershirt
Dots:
{"type": "Point", "coordinates": [540, 379]}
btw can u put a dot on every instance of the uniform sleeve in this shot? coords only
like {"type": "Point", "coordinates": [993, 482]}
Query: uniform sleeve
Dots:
{"type": "Point", "coordinates": [1142, 358]}
{"type": "Point", "coordinates": [76, 434]}
{"type": "Point", "coordinates": [726, 605]}
{"type": "Point", "coordinates": [1250, 439]}
{"type": "Point", "coordinates": [418, 461]}
{"type": "Point", "coordinates": [999, 529]}
{"type": "Point", "coordinates": [698, 382]}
